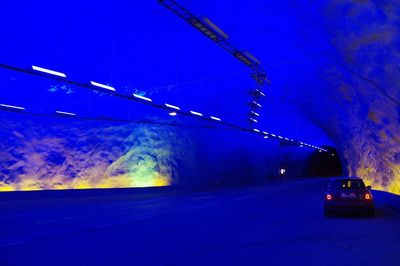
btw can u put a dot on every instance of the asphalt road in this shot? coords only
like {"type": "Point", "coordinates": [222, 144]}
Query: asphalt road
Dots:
{"type": "Point", "coordinates": [276, 224]}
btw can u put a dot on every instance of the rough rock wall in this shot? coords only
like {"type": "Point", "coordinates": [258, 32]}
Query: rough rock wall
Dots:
{"type": "Point", "coordinates": [364, 88]}
{"type": "Point", "coordinates": [49, 155]}
{"type": "Point", "coordinates": [37, 154]}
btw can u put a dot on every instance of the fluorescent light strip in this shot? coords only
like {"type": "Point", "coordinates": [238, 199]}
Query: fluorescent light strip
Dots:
{"type": "Point", "coordinates": [173, 114]}
{"type": "Point", "coordinates": [142, 97]}
{"type": "Point", "coordinates": [252, 119]}
{"type": "Point", "coordinates": [196, 113]}
{"type": "Point", "coordinates": [12, 106]}
{"type": "Point", "coordinates": [48, 71]}
{"type": "Point", "coordinates": [65, 113]}
{"type": "Point", "coordinates": [102, 86]}
{"type": "Point", "coordinates": [107, 87]}
{"type": "Point", "coordinates": [172, 106]}
{"type": "Point", "coordinates": [260, 92]}
{"type": "Point", "coordinates": [256, 103]}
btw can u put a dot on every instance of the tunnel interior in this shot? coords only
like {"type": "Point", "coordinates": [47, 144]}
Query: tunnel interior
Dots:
{"type": "Point", "coordinates": [325, 164]}
{"type": "Point", "coordinates": [178, 132]}
{"type": "Point", "coordinates": [332, 82]}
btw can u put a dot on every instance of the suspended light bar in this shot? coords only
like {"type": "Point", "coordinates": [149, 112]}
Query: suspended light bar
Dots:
{"type": "Point", "coordinates": [48, 71]}
{"type": "Point", "coordinates": [65, 113]}
{"type": "Point", "coordinates": [142, 97]}
{"type": "Point", "coordinates": [261, 93]}
{"type": "Point", "coordinates": [102, 86]}
{"type": "Point", "coordinates": [172, 106]}
{"type": "Point", "coordinates": [254, 113]}
{"type": "Point", "coordinates": [215, 118]}
{"type": "Point", "coordinates": [253, 120]}
{"type": "Point", "coordinates": [256, 103]}
{"type": "Point", "coordinates": [173, 114]}
{"type": "Point", "coordinates": [273, 135]}
{"type": "Point", "coordinates": [12, 107]}
{"type": "Point", "coordinates": [265, 137]}
{"type": "Point", "coordinates": [196, 113]}
{"type": "Point", "coordinates": [256, 130]}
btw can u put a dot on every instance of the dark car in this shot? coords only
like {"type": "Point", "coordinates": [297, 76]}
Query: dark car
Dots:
{"type": "Point", "coordinates": [348, 194]}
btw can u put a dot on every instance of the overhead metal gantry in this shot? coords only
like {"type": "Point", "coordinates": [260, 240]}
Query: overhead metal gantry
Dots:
{"type": "Point", "coordinates": [213, 32]}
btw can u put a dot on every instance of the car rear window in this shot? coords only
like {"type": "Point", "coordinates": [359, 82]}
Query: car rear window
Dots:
{"type": "Point", "coordinates": [346, 184]}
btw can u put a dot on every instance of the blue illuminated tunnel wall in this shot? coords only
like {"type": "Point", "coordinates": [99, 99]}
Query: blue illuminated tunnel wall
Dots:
{"type": "Point", "coordinates": [63, 153]}
{"type": "Point", "coordinates": [334, 77]}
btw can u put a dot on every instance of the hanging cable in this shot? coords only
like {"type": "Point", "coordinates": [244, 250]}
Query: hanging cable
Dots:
{"type": "Point", "coordinates": [95, 86]}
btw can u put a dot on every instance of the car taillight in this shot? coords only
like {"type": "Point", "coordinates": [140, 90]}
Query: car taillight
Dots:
{"type": "Point", "coordinates": [328, 197]}
{"type": "Point", "coordinates": [367, 196]}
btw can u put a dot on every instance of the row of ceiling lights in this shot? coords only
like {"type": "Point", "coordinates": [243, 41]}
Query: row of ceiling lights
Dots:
{"type": "Point", "coordinates": [174, 110]}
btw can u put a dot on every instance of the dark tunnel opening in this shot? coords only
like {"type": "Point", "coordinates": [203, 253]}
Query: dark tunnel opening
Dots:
{"type": "Point", "coordinates": [325, 164]}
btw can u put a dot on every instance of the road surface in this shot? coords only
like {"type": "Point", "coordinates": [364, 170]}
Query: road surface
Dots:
{"type": "Point", "coordinates": [277, 224]}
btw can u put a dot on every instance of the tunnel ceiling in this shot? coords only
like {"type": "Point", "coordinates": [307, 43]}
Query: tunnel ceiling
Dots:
{"type": "Point", "coordinates": [333, 65]}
